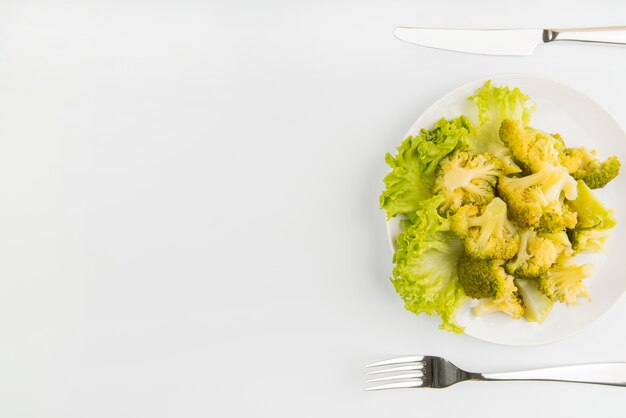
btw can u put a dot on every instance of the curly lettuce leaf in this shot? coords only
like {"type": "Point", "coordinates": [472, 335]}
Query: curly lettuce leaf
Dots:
{"type": "Point", "coordinates": [494, 105]}
{"type": "Point", "coordinates": [498, 103]}
{"type": "Point", "coordinates": [413, 167]}
{"type": "Point", "coordinates": [425, 273]}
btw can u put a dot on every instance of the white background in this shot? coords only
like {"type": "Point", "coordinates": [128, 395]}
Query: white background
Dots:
{"type": "Point", "coordinates": [189, 211]}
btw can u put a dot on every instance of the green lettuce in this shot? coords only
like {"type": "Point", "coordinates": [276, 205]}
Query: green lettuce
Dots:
{"type": "Point", "coordinates": [425, 273]}
{"type": "Point", "coordinates": [494, 105]}
{"type": "Point", "coordinates": [427, 252]}
{"type": "Point", "coordinates": [498, 103]}
{"type": "Point", "coordinates": [413, 167]}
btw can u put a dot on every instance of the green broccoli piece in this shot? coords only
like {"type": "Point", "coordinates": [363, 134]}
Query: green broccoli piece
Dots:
{"type": "Point", "coordinates": [535, 256]}
{"type": "Point", "coordinates": [481, 278]}
{"type": "Point", "coordinates": [532, 149]}
{"type": "Point", "coordinates": [486, 231]}
{"type": "Point", "coordinates": [588, 240]}
{"type": "Point", "coordinates": [466, 178]}
{"type": "Point", "coordinates": [591, 212]}
{"type": "Point", "coordinates": [487, 280]}
{"type": "Point", "coordinates": [584, 165]}
{"type": "Point", "coordinates": [575, 158]}
{"type": "Point", "coordinates": [537, 201]}
{"type": "Point", "coordinates": [556, 217]}
{"type": "Point", "coordinates": [512, 305]}
{"type": "Point", "coordinates": [594, 221]}
{"type": "Point", "coordinates": [564, 283]}
{"type": "Point", "coordinates": [598, 174]}
{"type": "Point", "coordinates": [537, 306]}
{"type": "Point", "coordinates": [561, 240]}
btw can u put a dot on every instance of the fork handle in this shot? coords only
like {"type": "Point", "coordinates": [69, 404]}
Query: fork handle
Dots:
{"type": "Point", "coordinates": [613, 374]}
{"type": "Point", "coordinates": [608, 35]}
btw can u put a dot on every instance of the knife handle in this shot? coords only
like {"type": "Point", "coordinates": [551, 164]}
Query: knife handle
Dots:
{"type": "Point", "coordinates": [606, 35]}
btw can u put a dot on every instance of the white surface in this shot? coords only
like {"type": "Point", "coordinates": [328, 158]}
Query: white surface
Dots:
{"type": "Point", "coordinates": [189, 217]}
{"type": "Point", "coordinates": [489, 42]}
{"type": "Point", "coordinates": [580, 121]}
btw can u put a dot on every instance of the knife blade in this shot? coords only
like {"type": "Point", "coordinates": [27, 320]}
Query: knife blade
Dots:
{"type": "Point", "coordinates": [505, 41]}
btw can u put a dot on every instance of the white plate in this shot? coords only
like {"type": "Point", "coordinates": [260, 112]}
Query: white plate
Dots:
{"type": "Point", "coordinates": [580, 121]}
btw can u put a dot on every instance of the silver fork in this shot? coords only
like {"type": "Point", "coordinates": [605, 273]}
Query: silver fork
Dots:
{"type": "Point", "coordinates": [437, 372]}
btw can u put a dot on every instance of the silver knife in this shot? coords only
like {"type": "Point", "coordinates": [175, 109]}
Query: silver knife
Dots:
{"type": "Point", "coordinates": [506, 41]}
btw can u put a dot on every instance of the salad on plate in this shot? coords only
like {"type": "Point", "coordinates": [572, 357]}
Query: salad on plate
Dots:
{"type": "Point", "coordinates": [494, 211]}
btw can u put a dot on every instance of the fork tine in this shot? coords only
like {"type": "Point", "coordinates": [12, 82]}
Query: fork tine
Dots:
{"type": "Point", "coordinates": [399, 385]}
{"type": "Point", "coordinates": [399, 376]}
{"type": "Point", "coordinates": [408, 359]}
{"type": "Point", "coordinates": [417, 366]}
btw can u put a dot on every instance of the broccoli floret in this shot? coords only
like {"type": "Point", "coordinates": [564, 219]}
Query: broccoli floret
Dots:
{"type": "Point", "coordinates": [594, 221]}
{"type": "Point", "coordinates": [535, 256]}
{"type": "Point", "coordinates": [591, 212]}
{"type": "Point", "coordinates": [481, 278]}
{"type": "Point", "coordinates": [549, 182]}
{"type": "Point", "coordinates": [599, 174]}
{"type": "Point", "coordinates": [575, 159]}
{"type": "Point", "coordinates": [532, 149]}
{"type": "Point", "coordinates": [467, 178]}
{"type": "Point", "coordinates": [561, 240]}
{"type": "Point", "coordinates": [540, 195]}
{"type": "Point", "coordinates": [557, 217]}
{"type": "Point", "coordinates": [588, 240]}
{"type": "Point", "coordinates": [511, 304]}
{"type": "Point", "coordinates": [486, 279]}
{"type": "Point", "coordinates": [486, 232]}
{"type": "Point", "coordinates": [537, 306]}
{"type": "Point", "coordinates": [584, 165]}
{"type": "Point", "coordinates": [564, 283]}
